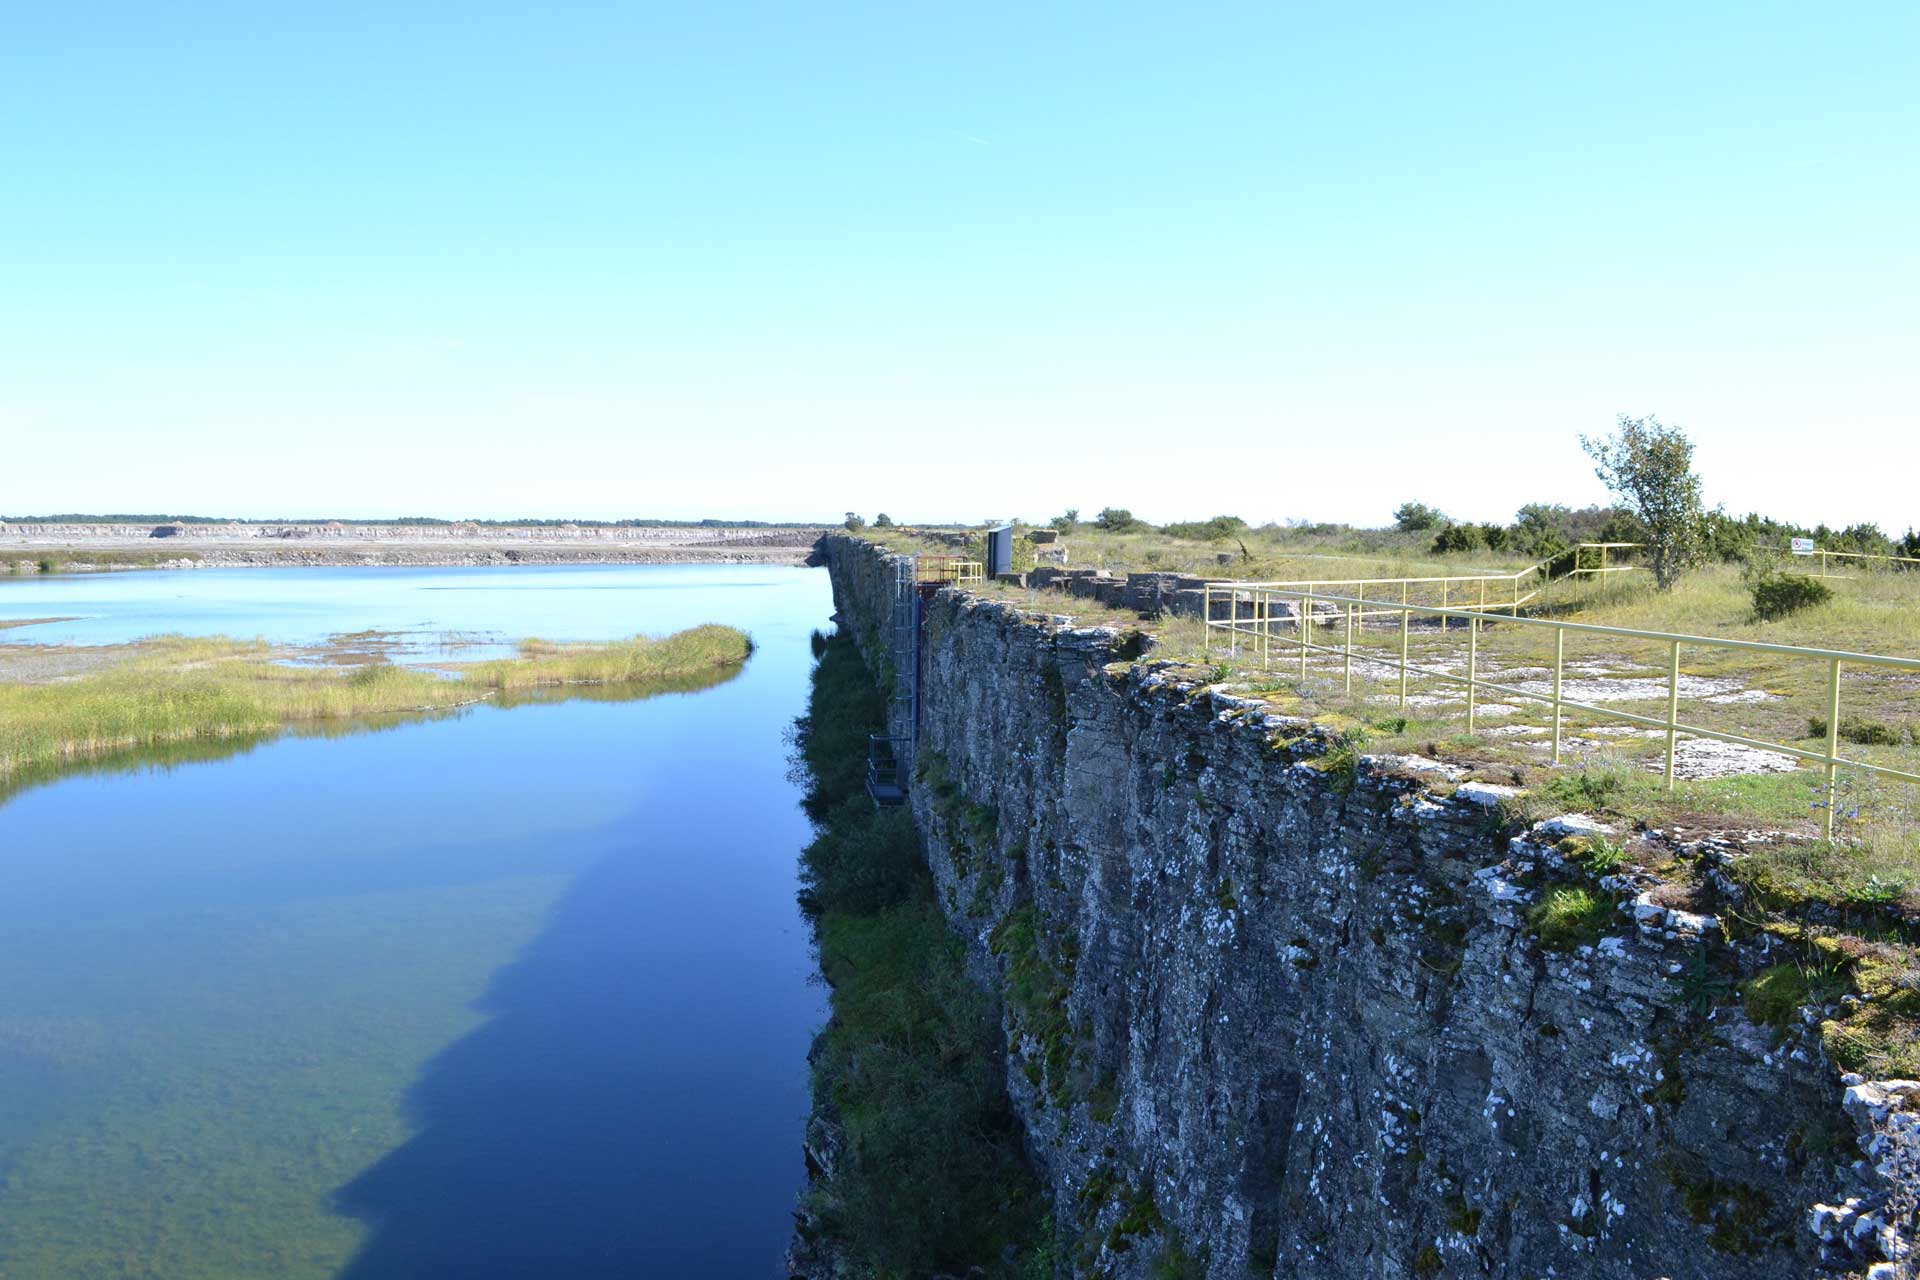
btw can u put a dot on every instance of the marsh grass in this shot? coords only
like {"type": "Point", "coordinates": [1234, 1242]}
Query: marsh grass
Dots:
{"type": "Point", "coordinates": [543, 662]}
{"type": "Point", "coordinates": [183, 689]}
{"type": "Point", "coordinates": [76, 560]}
{"type": "Point", "coordinates": [7, 624]}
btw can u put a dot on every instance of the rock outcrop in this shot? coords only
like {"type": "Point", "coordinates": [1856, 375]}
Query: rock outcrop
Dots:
{"type": "Point", "coordinates": [1274, 1010]}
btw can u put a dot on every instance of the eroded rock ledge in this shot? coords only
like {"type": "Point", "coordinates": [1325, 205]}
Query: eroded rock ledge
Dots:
{"type": "Point", "coordinates": [1271, 1017]}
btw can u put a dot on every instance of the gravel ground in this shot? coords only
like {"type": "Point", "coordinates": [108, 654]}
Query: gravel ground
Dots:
{"type": "Point", "coordinates": [47, 663]}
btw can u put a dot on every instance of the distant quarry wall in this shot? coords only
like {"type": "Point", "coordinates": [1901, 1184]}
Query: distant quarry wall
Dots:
{"type": "Point", "coordinates": [176, 545]}
{"type": "Point", "coordinates": [1274, 1013]}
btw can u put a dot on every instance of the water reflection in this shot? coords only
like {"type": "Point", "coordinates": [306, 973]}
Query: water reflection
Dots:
{"type": "Point", "coordinates": [165, 757]}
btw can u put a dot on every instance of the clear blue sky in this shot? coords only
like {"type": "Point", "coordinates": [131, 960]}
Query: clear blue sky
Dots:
{"type": "Point", "coordinates": [784, 261]}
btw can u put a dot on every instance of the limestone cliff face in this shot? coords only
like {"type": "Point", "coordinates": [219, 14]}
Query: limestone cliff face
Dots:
{"type": "Point", "coordinates": [1271, 1018]}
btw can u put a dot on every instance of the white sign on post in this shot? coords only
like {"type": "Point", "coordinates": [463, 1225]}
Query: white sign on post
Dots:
{"type": "Point", "coordinates": [1803, 546]}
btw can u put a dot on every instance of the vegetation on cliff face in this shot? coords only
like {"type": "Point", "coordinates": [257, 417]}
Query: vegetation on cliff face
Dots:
{"type": "Point", "coordinates": [930, 1174]}
{"type": "Point", "coordinates": [183, 689]}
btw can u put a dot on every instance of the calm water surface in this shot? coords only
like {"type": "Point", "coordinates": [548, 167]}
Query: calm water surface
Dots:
{"type": "Point", "coordinates": [516, 992]}
{"type": "Point", "coordinates": [489, 608]}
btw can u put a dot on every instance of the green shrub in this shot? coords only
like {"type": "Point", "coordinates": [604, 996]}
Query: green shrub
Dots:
{"type": "Point", "coordinates": [1776, 594]}
{"type": "Point", "coordinates": [1341, 760]}
{"type": "Point", "coordinates": [1416, 517]}
{"type": "Point", "coordinates": [932, 1175]}
{"type": "Point", "coordinates": [1456, 537]}
{"type": "Point", "coordinates": [1597, 854]}
{"type": "Point", "coordinates": [864, 859]}
{"type": "Point", "coordinates": [1215, 530]}
{"type": "Point", "coordinates": [1592, 787]}
{"type": "Point", "coordinates": [1856, 728]}
{"type": "Point", "coordinates": [830, 743]}
{"type": "Point", "coordinates": [1539, 531]}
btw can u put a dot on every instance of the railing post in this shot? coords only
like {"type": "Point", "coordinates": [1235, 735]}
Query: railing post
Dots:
{"type": "Point", "coordinates": [1349, 673]}
{"type": "Point", "coordinates": [1206, 621]}
{"type": "Point", "coordinates": [1253, 624]}
{"type": "Point", "coordinates": [1559, 656]}
{"type": "Point", "coordinates": [1405, 616]}
{"type": "Point", "coordinates": [1673, 709]}
{"type": "Point", "coordinates": [1833, 742]}
{"type": "Point", "coordinates": [1443, 604]}
{"type": "Point", "coordinates": [1263, 626]}
{"type": "Point", "coordinates": [1473, 663]}
{"type": "Point", "coordinates": [1306, 631]}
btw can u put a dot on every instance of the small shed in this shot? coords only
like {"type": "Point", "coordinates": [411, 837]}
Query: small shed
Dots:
{"type": "Point", "coordinates": [1000, 550]}
{"type": "Point", "coordinates": [170, 530]}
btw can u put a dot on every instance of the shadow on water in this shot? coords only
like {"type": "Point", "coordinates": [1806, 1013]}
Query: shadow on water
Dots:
{"type": "Point", "coordinates": [611, 1116]}
{"type": "Point", "coordinates": [605, 1120]}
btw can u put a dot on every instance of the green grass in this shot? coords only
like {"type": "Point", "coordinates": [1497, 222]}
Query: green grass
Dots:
{"type": "Point", "coordinates": [1774, 996]}
{"type": "Point", "coordinates": [1570, 916]}
{"type": "Point", "coordinates": [619, 662]}
{"type": "Point", "coordinates": [182, 689]}
{"type": "Point", "coordinates": [72, 560]}
{"type": "Point", "coordinates": [1882, 1037]}
{"type": "Point", "coordinates": [1257, 554]}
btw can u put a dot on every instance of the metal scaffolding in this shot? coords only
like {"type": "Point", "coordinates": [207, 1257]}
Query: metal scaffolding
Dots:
{"type": "Point", "coordinates": [904, 720]}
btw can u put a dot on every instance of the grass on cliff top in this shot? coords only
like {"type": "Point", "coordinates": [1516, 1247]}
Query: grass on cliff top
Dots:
{"type": "Point", "coordinates": [1859, 891]}
{"type": "Point", "coordinates": [183, 688]}
{"type": "Point", "coordinates": [1872, 611]}
{"type": "Point", "coordinates": [1263, 554]}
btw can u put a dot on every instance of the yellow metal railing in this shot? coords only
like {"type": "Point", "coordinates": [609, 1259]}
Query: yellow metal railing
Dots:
{"type": "Point", "coordinates": [954, 569]}
{"type": "Point", "coordinates": [1825, 572]}
{"type": "Point", "coordinates": [1482, 591]}
{"type": "Point", "coordinates": [1258, 629]}
{"type": "Point", "coordinates": [1600, 567]}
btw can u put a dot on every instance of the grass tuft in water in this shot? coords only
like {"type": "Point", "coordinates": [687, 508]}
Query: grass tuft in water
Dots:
{"type": "Point", "coordinates": [186, 688]}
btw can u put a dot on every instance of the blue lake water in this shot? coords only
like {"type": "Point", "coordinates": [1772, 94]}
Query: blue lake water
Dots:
{"type": "Point", "coordinates": [489, 607]}
{"type": "Point", "coordinates": [515, 992]}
